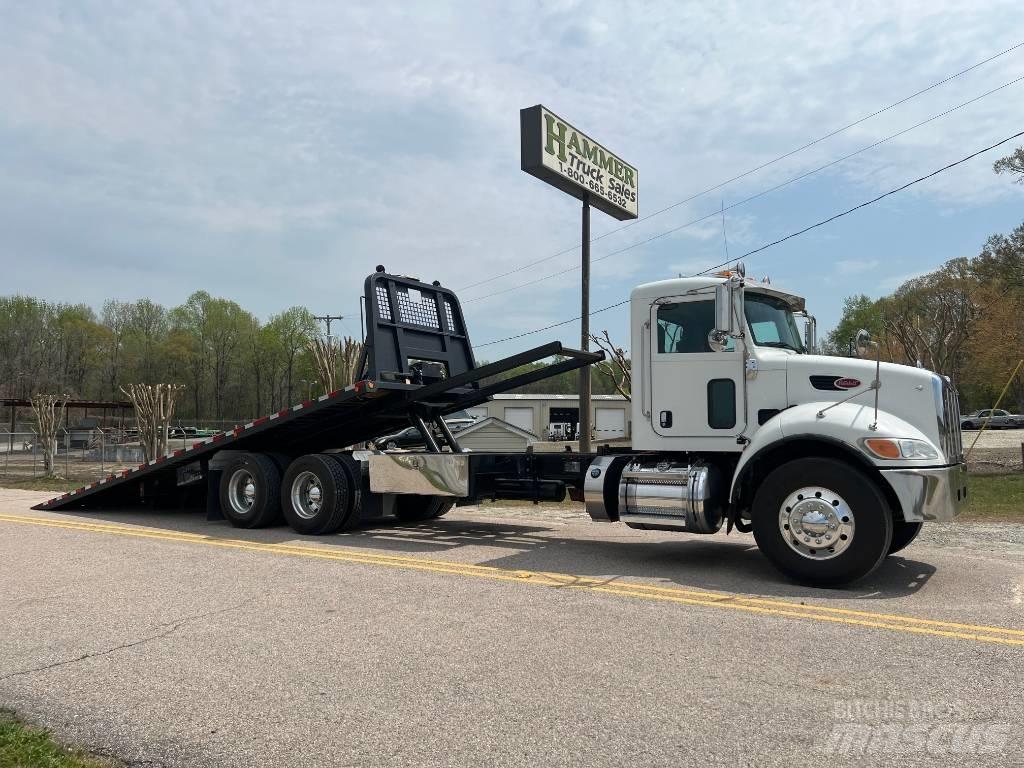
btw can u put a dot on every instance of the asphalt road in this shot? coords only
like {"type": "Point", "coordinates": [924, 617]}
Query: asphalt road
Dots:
{"type": "Point", "coordinates": [508, 637]}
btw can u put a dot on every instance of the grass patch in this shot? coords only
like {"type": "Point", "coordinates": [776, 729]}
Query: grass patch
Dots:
{"type": "Point", "coordinates": [995, 498]}
{"type": "Point", "coordinates": [24, 747]}
{"type": "Point", "coordinates": [44, 484]}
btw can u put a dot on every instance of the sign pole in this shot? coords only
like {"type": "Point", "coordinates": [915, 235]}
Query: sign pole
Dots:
{"type": "Point", "coordinates": [584, 435]}
{"type": "Point", "coordinates": [558, 154]}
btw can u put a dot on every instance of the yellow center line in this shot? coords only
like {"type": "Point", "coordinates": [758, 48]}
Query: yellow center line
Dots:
{"type": "Point", "coordinates": [678, 595]}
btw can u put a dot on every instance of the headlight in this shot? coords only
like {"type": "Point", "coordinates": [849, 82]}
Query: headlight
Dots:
{"type": "Point", "coordinates": [887, 448]}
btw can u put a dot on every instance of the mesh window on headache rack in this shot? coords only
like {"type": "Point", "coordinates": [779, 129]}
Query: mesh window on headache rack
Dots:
{"type": "Point", "coordinates": [383, 304]}
{"type": "Point", "coordinates": [450, 316]}
{"type": "Point", "coordinates": [417, 309]}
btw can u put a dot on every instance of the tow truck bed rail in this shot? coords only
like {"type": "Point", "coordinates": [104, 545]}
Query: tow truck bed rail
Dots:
{"type": "Point", "coordinates": [417, 367]}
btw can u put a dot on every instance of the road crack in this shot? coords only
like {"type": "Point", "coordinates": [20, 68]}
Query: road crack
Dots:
{"type": "Point", "coordinates": [169, 628]}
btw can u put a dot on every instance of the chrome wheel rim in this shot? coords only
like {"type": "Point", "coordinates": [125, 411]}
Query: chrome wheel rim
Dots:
{"type": "Point", "coordinates": [307, 495]}
{"type": "Point", "coordinates": [241, 492]}
{"type": "Point", "coordinates": [816, 523]}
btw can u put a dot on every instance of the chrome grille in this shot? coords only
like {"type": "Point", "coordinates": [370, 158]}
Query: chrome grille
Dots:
{"type": "Point", "coordinates": [948, 403]}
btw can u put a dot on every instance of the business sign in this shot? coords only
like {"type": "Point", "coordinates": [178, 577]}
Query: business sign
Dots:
{"type": "Point", "coordinates": [554, 151]}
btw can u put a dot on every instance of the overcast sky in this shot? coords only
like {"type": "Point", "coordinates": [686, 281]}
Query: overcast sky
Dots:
{"type": "Point", "coordinates": [274, 152]}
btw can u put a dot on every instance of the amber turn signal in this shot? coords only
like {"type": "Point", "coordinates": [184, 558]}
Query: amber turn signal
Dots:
{"type": "Point", "coordinates": [882, 448]}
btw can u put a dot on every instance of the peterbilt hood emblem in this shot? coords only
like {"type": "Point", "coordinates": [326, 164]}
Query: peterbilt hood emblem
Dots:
{"type": "Point", "coordinates": [833, 382]}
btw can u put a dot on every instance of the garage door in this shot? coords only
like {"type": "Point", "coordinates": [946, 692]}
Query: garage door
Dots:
{"type": "Point", "coordinates": [521, 417]}
{"type": "Point", "coordinates": [610, 423]}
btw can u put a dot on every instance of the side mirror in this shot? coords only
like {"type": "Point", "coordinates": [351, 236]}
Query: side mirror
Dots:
{"type": "Point", "coordinates": [864, 343]}
{"type": "Point", "coordinates": [811, 335]}
{"type": "Point", "coordinates": [724, 317]}
{"type": "Point", "coordinates": [727, 296]}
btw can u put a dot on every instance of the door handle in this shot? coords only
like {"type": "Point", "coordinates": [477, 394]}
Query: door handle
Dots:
{"type": "Point", "coordinates": [666, 419]}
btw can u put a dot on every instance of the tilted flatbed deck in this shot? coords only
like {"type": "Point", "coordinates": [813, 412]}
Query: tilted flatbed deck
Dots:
{"type": "Point", "coordinates": [417, 367]}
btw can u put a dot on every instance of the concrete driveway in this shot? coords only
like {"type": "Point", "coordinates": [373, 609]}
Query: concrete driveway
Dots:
{"type": "Point", "coordinates": [508, 637]}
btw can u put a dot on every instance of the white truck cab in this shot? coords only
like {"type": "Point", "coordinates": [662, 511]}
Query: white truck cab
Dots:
{"type": "Point", "coordinates": [833, 462]}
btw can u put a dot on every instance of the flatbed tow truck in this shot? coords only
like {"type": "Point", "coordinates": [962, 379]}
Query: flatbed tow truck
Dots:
{"type": "Point", "coordinates": [734, 424]}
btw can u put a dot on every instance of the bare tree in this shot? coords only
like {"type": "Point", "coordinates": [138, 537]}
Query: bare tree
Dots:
{"type": "Point", "coordinates": [325, 356]}
{"type": "Point", "coordinates": [154, 407]}
{"type": "Point", "coordinates": [348, 359]}
{"type": "Point", "coordinates": [335, 363]}
{"type": "Point", "coordinates": [616, 366]}
{"type": "Point", "coordinates": [49, 410]}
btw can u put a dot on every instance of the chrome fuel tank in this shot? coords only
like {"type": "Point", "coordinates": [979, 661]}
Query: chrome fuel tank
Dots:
{"type": "Point", "coordinates": [672, 496]}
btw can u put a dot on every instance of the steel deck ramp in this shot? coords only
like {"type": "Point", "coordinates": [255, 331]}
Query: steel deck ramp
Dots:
{"type": "Point", "coordinates": [417, 366]}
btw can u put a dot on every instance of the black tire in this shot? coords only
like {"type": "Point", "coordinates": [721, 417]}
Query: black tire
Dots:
{"type": "Point", "coordinates": [902, 534]}
{"type": "Point", "coordinates": [410, 508]}
{"type": "Point", "coordinates": [444, 506]}
{"type": "Point", "coordinates": [281, 460]}
{"type": "Point", "coordinates": [391, 445]}
{"type": "Point", "coordinates": [968, 425]}
{"type": "Point", "coordinates": [333, 498]}
{"type": "Point", "coordinates": [264, 507]}
{"type": "Point", "coordinates": [354, 472]}
{"type": "Point", "coordinates": [868, 540]}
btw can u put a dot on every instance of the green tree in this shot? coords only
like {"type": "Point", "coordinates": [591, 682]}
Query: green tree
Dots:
{"type": "Point", "coordinates": [1012, 164]}
{"type": "Point", "coordinates": [293, 329]}
{"type": "Point", "coordinates": [117, 317]}
{"type": "Point", "coordinates": [858, 312]}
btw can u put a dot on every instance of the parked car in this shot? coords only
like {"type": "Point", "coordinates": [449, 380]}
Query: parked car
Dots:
{"type": "Point", "coordinates": [411, 437]}
{"type": "Point", "coordinates": [996, 418]}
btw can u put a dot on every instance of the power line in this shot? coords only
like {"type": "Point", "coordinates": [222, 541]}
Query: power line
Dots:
{"type": "Point", "coordinates": [553, 325]}
{"type": "Point", "coordinates": [787, 237]}
{"type": "Point", "coordinates": [755, 196]}
{"type": "Point", "coordinates": [809, 144]}
{"type": "Point", "coordinates": [866, 203]}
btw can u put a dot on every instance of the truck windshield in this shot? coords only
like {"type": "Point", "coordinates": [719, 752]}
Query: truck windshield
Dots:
{"type": "Point", "coordinates": [772, 323]}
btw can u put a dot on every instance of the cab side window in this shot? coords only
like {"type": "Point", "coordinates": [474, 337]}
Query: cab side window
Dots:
{"type": "Point", "coordinates": [684, 327]}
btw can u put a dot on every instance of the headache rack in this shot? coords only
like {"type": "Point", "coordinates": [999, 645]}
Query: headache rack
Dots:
{"type": "Point", "coordinates": [417, 366]}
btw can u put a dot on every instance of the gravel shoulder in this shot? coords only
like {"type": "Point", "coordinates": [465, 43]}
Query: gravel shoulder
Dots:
{"type": "Point", "coordinates": [996, 450]}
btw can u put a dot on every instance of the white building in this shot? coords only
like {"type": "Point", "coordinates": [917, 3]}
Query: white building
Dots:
{"type": "Point", "coordinates": [490, 434]}
{"type": "Point", "coordinates": [610, 414]}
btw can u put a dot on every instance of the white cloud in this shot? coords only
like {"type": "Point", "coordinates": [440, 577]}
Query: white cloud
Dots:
{"type": "Point", "coordinates": [243, 142]}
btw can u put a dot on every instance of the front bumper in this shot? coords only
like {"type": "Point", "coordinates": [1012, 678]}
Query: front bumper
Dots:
{"type": "Point", "coordinates": [929, 494]}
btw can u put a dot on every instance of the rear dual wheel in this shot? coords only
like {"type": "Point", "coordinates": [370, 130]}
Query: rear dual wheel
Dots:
{"type": "Point", "coordinates": [320, 493]}
{"type": "Point", "coordinates": [250, 491]}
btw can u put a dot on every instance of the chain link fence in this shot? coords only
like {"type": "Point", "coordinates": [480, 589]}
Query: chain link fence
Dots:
{"type": "Point", "coordinates": [86, 453]}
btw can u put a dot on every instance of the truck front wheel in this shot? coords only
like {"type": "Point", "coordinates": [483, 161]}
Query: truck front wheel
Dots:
{"type": "Point", "coordinates": [822, 522]}
{"type": "Point", "coordinates": [902, 534]}
{"type": "Point", "coordinates": [416, 509]}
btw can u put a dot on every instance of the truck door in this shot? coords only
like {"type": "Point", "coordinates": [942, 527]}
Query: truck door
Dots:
{"type": "Point", "coordinates": [695, 392]}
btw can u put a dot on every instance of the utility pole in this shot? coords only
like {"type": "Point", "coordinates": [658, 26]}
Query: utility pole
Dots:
{"type": "Point", "coordinates": [584, 435]}
{"type": "Point", "coordinates": [327, 319]}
